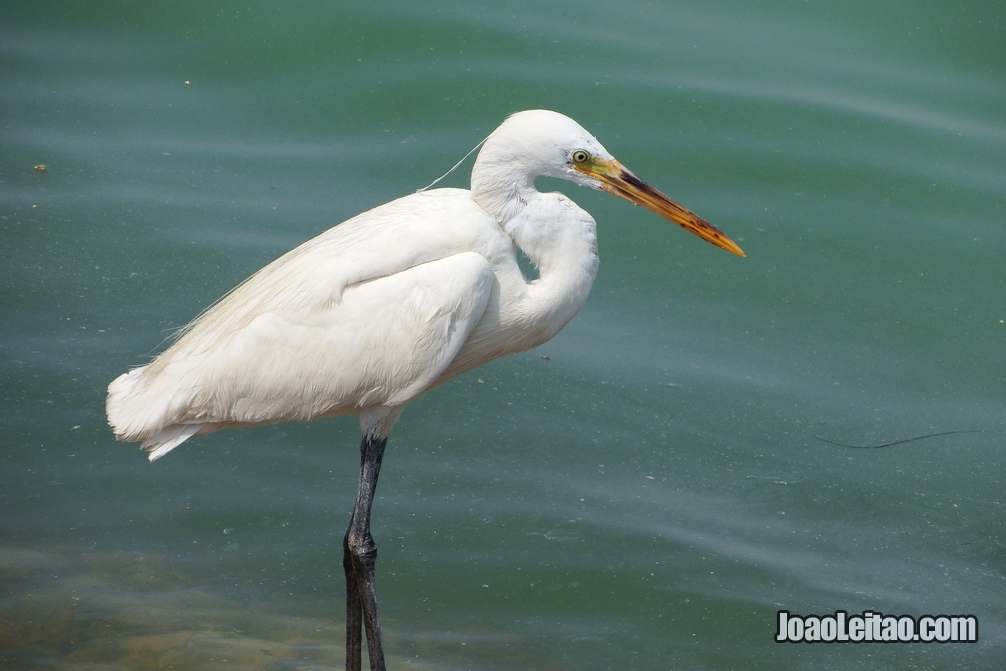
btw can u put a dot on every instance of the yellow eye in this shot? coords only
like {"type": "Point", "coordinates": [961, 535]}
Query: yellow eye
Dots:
{"type": "Point", "coordinates": [580, 156]}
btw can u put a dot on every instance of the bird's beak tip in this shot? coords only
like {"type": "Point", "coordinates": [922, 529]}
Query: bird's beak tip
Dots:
{"type": "Point", "coordinates": [734, 249]}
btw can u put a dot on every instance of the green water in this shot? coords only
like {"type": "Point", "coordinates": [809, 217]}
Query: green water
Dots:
{"type": "Point", "coordinates": [648, 495]}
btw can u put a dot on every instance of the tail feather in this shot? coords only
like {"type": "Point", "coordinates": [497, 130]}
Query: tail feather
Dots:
{"type": "Point", "coordinates": [137, 415]}
{"type": "Point", "coordinates": [168, 439]}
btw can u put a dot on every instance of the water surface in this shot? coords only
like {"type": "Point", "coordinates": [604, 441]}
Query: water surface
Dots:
{"type": "Point", "coordinates": [646, 490]}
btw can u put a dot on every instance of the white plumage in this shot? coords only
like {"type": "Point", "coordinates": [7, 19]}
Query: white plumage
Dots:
{"type": "Point", "coordinates": [377, 310]}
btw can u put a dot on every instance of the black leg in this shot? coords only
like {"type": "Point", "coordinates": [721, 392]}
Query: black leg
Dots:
{"type": "Point", "coordinates": [358, 558]}
{"type": "Point", "coordinates": [354, 613]}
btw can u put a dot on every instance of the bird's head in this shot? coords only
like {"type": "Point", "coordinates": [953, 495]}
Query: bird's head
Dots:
{"type": "Point", "coordinates": [540, 142]}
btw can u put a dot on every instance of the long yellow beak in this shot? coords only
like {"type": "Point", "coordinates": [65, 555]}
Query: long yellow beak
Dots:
{"type": "Point", "coordinates": [616, 179]}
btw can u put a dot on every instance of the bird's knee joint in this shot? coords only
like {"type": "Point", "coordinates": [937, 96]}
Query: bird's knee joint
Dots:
{"type": "Point", "coordinates": [360, 546]}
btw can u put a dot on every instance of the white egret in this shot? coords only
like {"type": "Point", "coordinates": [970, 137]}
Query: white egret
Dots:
{"type": "Point", "coordinates": [374, 312]}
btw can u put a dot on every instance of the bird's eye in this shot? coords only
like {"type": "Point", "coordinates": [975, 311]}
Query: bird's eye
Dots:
{"type": "Point", "coordinates": [580, 156]}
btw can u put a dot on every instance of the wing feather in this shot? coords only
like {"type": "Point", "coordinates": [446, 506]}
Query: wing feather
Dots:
{"type": "Point", "coordinates": [353, 318]}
